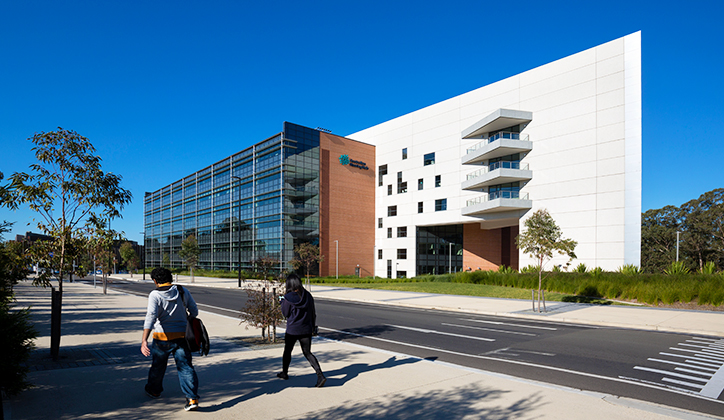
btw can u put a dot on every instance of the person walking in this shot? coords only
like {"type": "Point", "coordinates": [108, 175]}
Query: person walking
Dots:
{"type": "Point", "coordinates": [298, 309]}
{"type": "Point", "coordinates": [166, 316]}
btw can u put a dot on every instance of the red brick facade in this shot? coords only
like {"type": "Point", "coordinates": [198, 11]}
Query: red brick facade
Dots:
{"type": "Point", "coordinates": [347, 206]}
{"type": "Point", "coordinates": [489, 249]}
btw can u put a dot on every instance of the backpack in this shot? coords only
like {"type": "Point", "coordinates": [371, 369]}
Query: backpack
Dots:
{"type": "Point", "coordinates": [196, 335]}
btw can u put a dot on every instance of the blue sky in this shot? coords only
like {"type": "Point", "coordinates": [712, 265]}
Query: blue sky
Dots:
{"type": "Point", "coordinates": [164, 88]}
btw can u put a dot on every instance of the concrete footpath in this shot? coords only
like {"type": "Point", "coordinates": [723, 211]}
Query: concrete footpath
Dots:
{"type": "Point", "coordinates": [101, 372]}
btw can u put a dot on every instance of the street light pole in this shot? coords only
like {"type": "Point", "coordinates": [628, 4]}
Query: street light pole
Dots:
{"type": "Point", "coordinates": [677, 246]}
{"type": "Point", "coordinates": [238, 226]}
{"type": "Point", "coordinates": [336, 258]}
{"type": "Point", "coordinates": [449, 266]}
{"type": "Point", "coordinates": [144, 254]}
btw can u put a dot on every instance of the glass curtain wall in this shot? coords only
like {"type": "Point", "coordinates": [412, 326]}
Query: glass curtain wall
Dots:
{"type": "Point", "coordinates": [439, 249]}
{"type": "Point", "coordinates": [272, 206]}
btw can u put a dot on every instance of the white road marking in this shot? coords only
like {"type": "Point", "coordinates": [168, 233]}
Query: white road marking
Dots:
{"type": "Point", "coordinates": [683, 356]}
{"type": "Point", "coordinates": [665, 372]}
{"type": "Point", "coordinates": [631, 381]}
{"type": "Point", "coordinates": [511, 324]}
{"type": "Point", "coordinates": [490, 329]}
{"type": "Point", "coordinates": [441, 333]}
{"type": "Point", "coordinates": [680, 364]}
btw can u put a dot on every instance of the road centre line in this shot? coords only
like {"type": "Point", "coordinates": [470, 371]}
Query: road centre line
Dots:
{"type": "Point", "coordinates": [441, 333]}
{"type": "Point", "coordinates": [490, 329]}
{"type": "Point", "coordinates": [631, 381]}
{"type": "Point", "coordinates": [508, 323]}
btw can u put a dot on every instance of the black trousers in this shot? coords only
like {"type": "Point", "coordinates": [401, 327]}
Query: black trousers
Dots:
{"type": "Point", "coordinates": [305, 341]}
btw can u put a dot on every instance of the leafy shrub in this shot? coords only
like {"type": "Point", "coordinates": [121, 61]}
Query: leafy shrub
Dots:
{"type": "Point", "coordinates": [505, 269]}
{"type": "Point", "coordinates": [677, 268]}
{"type": "Point", "coordinates": [708, 268]}
{"type": "Point", "coordinates": [629, 270]}
{"type": "Point", "coordinates": [529, 269]}
{"type": "Point", "coordinates": [580, 268]}
{"type": "Point", "coordinates": [596, 272]}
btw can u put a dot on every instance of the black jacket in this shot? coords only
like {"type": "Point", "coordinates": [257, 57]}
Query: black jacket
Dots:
{"type": "Point", "coordinates": [299, 312]}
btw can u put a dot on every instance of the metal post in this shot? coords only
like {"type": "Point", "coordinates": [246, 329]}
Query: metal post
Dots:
{"type": "Point", "coordinates": [94, 272]}
{"type": "Point", "coordinates": [144, 254]}
{"type": "Point", "coordinates": [677, 246]}
{"type": "Point", "coordinates": [238, 227]}
{"type": "Point", "coordinates": [449, 267]}
{"type": "Point", "coordinates": [336, 258]}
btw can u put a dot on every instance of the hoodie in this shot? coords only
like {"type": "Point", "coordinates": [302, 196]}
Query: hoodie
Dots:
{"type": "Point", "coordinates": [166, 315]}
{"type": "Point", "coordinates": [299, 312]}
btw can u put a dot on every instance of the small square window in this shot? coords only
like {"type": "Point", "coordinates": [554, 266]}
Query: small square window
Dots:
{"type": "Point", "coordinates": [429, 159]}
{"type": "Point", "coordinates": [438, 180]}
{"type": "Point", "coordinates": [402, 232]}
{"type": "Point", "coordinates": [391, 211]}
{"type": "Point", "coordinates": [419, 207]}
{"type": "Point", "coordinates": [379, 254]}
{"type": "Point", "coordinates": [389, 232]}
{"type": "Point", "coordinates": [420, 184]}
{"type": "Point", "coordinates": [402, 254]}
{"type": "Point", "coordinates": [404, 153]}
{"type": "Point", "coordinates": [441, 205]}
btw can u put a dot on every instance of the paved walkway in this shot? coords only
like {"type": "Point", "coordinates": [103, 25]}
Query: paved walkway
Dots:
{"type": "Point", "coordinates": [101, 372]}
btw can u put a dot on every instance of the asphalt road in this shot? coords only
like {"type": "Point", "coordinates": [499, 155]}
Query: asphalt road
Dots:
{"type": "Point", "coordinates": [676, 370]}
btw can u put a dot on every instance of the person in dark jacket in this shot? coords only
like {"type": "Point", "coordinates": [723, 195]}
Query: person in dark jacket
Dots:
{"type": "Point", "coordinates": [298, 309]}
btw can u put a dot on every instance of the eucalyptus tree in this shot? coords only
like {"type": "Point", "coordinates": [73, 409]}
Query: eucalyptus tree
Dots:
{"type": "Point", "coordinates": [65, 187]}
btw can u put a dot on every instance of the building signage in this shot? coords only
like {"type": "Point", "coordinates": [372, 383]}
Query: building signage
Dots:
{"type": "Point", "coordinates": [345, 160]}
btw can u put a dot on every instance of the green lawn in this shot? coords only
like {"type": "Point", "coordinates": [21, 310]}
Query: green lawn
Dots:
{"type": "Point", "coordinates": [463, 289]}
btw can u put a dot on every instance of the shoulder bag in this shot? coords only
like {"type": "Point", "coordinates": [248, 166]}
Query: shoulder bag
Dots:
{"type": "Point", "coordinates": [196, 335]}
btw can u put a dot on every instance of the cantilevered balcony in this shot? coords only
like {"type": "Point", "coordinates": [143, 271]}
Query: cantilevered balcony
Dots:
{"type": "Point", "coordinates": [500, 144]}
{"type": "Point", "coordinates": [502, 172]}
{"type": "Point", "coordinates": [497, 202]}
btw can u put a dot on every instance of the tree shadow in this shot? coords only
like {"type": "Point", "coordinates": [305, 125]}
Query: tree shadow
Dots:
{"type": "Point", "coordinates": [585, 299]}
{"type": "Point", "coordinates": [469, 401]}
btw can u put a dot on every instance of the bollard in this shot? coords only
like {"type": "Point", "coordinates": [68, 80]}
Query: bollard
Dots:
{"type": "Point", "coordinates": [544, 301]}
{"type": "Point", "coordinates": [532, 298]}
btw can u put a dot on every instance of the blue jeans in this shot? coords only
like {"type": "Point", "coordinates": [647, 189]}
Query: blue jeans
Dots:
{"type": "Point", "coordinates": [160, 351]}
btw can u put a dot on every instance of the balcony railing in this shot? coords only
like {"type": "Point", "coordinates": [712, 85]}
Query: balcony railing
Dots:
{"type": "Point", "coordinates": [497, 136]}
{"type": "Point", "coordinates": [495, 195]}
{"type": "Point", "coordinates": [497, 165]}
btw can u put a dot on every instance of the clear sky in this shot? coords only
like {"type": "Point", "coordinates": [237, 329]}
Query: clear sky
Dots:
{"type": "Point", "coordinates": [165, 88]}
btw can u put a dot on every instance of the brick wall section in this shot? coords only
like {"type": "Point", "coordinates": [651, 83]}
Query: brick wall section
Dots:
{"type": "Point", "coordinates": [483, 248]}
{"type": "Point", "coordinates": [347, 203]}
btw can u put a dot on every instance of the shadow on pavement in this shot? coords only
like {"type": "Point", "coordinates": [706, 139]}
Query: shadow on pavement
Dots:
{"type": "Point", "coordinates": [468, 401]}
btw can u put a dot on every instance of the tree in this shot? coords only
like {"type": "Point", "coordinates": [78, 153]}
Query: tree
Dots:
{"type": "Point", "coordinates": [262, 308]}
{"type": "Point", "coordinates": [16, 325]}
{"type": "Point", "coordinates": [65, 187]}
{"type": "Point", "coordinates": [190, 253]}
{"type": "Point", "coordinates": [541, 240]}
{"type": "Point", "coordinates": [265, 264]}
{"type": "Point", "coordinates": [658, 238]}
{"type": "Point", "coordinates": [166, 260]}
{"type": "Point", "coordinates": [129, 257]}
{"type": "Point", "coordinates": [307, 254]}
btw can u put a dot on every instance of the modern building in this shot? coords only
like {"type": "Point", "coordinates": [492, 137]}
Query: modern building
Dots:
{"type": "Point", "coordinates": [442, 189]}
{"type": "Point", "coordinates": [265, 200]}
{"type": "Point", "coordinates": [457, 179]}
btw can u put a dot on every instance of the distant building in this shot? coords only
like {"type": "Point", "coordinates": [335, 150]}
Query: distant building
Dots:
{"type": "Point", "coordinates": [443, 189]}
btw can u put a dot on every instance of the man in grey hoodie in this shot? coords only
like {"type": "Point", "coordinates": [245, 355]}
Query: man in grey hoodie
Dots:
{"type": "Point", "coordinates": [166, 316]}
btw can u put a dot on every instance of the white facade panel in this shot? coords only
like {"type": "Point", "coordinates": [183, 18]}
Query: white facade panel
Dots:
{"type": "Point", "coordinates": [585, 159]}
